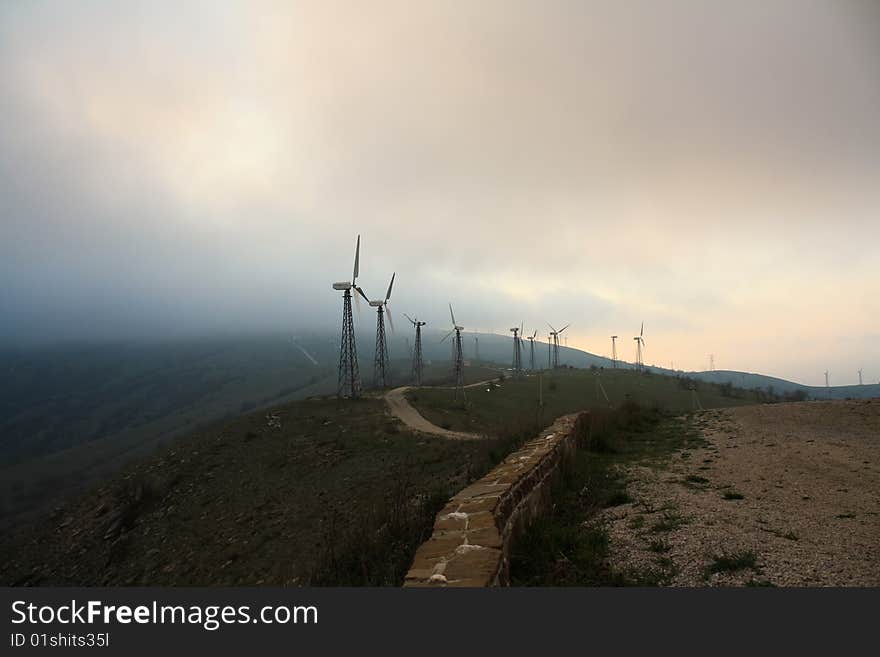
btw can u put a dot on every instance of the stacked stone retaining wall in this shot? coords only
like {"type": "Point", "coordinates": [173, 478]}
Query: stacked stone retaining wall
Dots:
{"type": "Point", "coordinates": [470, 544]}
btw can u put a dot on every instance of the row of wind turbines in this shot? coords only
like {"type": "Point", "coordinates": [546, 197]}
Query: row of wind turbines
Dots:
{"type": "Point", "coordinates": [349, 381]}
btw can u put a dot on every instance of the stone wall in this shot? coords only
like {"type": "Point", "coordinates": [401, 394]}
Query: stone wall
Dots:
{"type": "Point", "coordinates": [470, 545]}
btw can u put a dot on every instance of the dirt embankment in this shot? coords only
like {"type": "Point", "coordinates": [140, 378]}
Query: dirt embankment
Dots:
{"type": "Point", "coordinates": [789, 494]}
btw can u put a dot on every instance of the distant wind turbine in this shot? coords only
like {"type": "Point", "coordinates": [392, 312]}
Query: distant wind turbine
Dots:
{"type": "Point", "coordinates": [531, 339]}
{"type": "Point", "coordinates": [517, 350]}
{"type": "Point", "coordinates": [640, 343]}
{"type": "Point", "coordinates": [382, 359]}
{"type": "Point", "coordinates": [417, 350]}
{"type": "Point", "coordinates": [555, 335]}
{"type": "Point", "coordinates": [457, 356]}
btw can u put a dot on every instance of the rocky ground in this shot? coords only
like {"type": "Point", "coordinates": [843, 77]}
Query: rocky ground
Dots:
{"type": "Point", "coordinates": [783, 494]}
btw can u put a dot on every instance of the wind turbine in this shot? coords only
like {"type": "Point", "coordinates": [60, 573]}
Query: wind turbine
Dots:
{"type": "Point", "coordinates": [417, 350]}
{"type": "Point", "coordinates": [531, 339]}
{"type": "Point", "coordinates": [382, 360]}
{"type": "Point", "coordinates": [457, 356]}
{"type": "Point", "coordinates": [517, 350]}
{"type": "Point", "coordinates": [614, 351]}
{"type": "Point", "coordinates": [860, 376]}
{"type": "Point", "coordinates": [349, 381]}
{"type": "Point", "coordinates": [555, 335]}
{"type": "Point", "coordinates": [640, 343]}
{"type": "Point", "coordinates": [827, 385]}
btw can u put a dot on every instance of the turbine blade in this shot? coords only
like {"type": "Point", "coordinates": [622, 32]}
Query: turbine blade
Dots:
{"type": "Point", "coordinates": [357, 257]}
{"type": "Point", "coordinates": [642, 332]}
{"type": "Point", "coordinates": [451, 314]}
{"type": "Point", "coordinates": [563, 328]}
{"type": "Point", "coordinates": [361, 292]}
{"type": "Point", "coordinates": [446, 336]}
{"type": "Point", "coordinates": [551, 326]}
{"type": "Point", "coordinates": [390, 285]}
{"type": "Point", "coordinates": [410, 319]}
{"type": "Point", "coordinates": [390, 321]}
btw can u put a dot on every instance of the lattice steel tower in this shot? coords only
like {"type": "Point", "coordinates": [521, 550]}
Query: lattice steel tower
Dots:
{"type": "Point", "coordinates": [458, 366]}
{"type": "Point", "coordinates": [555, 335]}
{"type": "Point", "coordinates": [640, 343]}
{"type": "Point", "coordinates": [457, 357]}
{"type": "Point", "coordinates": [517, 351]}
{"type": "Point", "coordinates": [382, 359]}
{"type": "Point", "coordinates": [417, 350]}
{"type": "Point", "coordinates": [349, 381]}
{"type": "Point", "coordinates": [531, 339]}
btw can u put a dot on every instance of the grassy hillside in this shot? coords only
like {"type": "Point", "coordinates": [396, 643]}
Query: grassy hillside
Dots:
{"type": "Point", "coordinates": [515, 401]}
{"type": "Point", "coordinates": [317, 491]}
{"type": "Point", "coordinates": [71, 416]}
{"type": "Point", "coordinates": [337, 493]}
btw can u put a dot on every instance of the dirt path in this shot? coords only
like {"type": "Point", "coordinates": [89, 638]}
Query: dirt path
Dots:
{"type": "Point", "coordinates": [403, 410]}
{"type": "Point", "coordinates": [797, 486]}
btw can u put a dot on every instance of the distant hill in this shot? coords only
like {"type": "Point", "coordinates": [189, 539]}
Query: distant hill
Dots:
{"type": "Point", "coordinates": [781, 386]}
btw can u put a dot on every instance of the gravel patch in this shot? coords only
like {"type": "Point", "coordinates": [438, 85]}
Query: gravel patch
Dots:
{"type": "Point", "coordinates": [782, 494]}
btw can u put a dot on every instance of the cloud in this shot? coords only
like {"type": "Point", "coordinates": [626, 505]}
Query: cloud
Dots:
{"type": "Point", "coordinates": [711, 170]}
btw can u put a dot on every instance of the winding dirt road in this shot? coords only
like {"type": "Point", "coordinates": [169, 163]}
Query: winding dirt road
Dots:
{"type": "Point", "coordinates": [403, 410]}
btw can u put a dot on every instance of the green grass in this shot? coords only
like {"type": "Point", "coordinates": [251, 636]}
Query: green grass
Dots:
{"type": "Point", "coordinates": [564, 391]}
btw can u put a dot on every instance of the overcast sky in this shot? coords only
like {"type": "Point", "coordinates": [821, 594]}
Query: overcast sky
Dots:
{"type": "Point", "coordinates": [710, 168]}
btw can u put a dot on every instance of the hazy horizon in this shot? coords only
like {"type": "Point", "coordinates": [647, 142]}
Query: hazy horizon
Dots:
{"type": "Point", "coordinates": [171, 170]}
